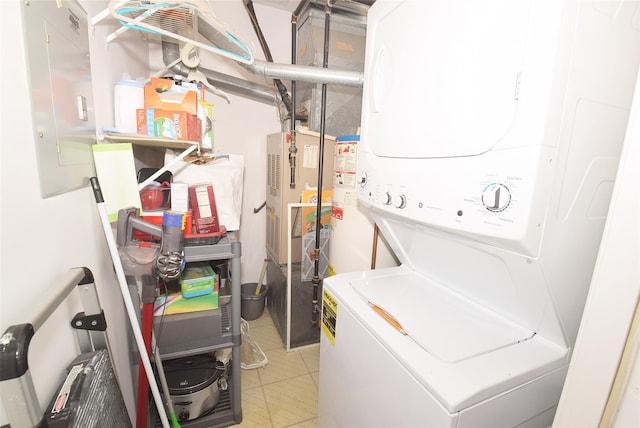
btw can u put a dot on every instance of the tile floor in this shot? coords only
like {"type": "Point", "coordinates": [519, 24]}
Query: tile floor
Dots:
{"type": "Point", "coordinates": [284, 393]}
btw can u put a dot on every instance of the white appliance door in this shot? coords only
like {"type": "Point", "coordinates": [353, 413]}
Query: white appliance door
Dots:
{"type": "Point", "coordinates": [440, 321]}
{"type": "Point", "coordinates": [466, 85]}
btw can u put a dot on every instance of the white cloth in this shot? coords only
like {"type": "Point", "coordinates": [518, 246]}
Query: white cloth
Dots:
{"type": "Point", "coordinates": [225, 174]}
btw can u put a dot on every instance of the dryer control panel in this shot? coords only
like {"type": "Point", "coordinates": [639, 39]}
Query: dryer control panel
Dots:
{"type": "Point", "coordinates": [461, 195]}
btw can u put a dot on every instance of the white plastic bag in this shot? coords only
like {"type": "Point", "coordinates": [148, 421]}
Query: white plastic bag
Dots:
{"type": "Point", "coordinates": [225, 173]}
{"type": "Point", "coordinates": [251, 355]}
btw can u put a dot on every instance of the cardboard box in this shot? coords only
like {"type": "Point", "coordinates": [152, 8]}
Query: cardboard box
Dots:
{"type": "Point", "coordinates": [166, 84]}
{"type": "Point", "coordinates": [180, 196]}
{"type": "Point", "coordinates": [165, 94]}
{"type": "Point", "coordinates": [203, 204]}
{"type": "Point", "coordinates": [175, 303]}
{"type": "Point", "coordinates": [198, 279]}
{"type": "Point", "coordinates": [174, 124]}
{"type": "Point", "coordinates": [309, 213]}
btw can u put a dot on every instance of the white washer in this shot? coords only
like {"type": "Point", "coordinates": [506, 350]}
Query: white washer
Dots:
{"type": "Point", "coordinates": [491, 133]}
{"type": "Point", "coordinates": [476, 364]}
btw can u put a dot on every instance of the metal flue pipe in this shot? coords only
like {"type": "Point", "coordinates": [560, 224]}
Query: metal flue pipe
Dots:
{"type": "Point", "coordinates": [231, 84]}
{"type": "Point", "coordinates": [306, 73]}
{"type": "Point", "coordinates": [282, 90]}
{"type": "Point", "coordinates": [293, 149]}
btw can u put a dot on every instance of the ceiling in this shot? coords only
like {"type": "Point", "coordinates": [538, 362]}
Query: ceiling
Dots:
{"type": "Point", "coordinates": [291, 5]}
{"type": "Point", "coordinates": [288, 5]}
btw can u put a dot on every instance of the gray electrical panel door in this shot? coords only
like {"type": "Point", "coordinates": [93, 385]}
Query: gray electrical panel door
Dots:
{"type": "Point", "coordinates": [59, 70]}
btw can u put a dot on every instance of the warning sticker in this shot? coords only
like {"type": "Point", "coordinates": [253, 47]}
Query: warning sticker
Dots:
{"type": "Point", "coordinates": [345, 162]}
{"type": "Point", "coordinates": [65, 389]}
{"type": "Point", "coordinates": [337, 210]}
{"type": "Point", "coordinates": [329, 316]}
{"type": "Point", "coordinates": [310, 156]}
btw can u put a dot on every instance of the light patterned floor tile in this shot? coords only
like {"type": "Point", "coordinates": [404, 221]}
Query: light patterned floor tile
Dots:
{"type": "Point", "coordinates": [255, 413]}
{"type": "Point", "coordinates": [282, 365]}
{"type": "Point", "coordinates": [292, 401]}
{"type": "Point", "coordinates": [316, 378]}
{"type": "Point", "coordinates": [313, 423]}
{"type": "Point", "coordinates": [266, 337]}
{"type": "Point", "coordinates": [311, 357]}
{"type": "Point", "coordinates": [250, 379]}
{"type": "Point", "coordinates": [264, 320]}
{"type": "Point", "coordinates": [284, 393]}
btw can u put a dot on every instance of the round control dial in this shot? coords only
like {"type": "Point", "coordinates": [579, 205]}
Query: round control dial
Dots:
{"type": "Point", "coordinates": [363, 179]}
{"type": "Point", "coordinates": [496, 197]}
{"type": "Point", "coordinates": [385, 198]}
{"type": "Point", "coordinates": [400, 201]}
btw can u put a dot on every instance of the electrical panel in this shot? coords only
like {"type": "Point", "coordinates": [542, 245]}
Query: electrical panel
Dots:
{"type": "Point", "coordinates": [59, 69]}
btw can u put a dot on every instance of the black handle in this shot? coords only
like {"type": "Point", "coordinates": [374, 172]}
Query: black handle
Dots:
{"type": "Point", "coordinates": [14, 348]}
{"type": "Point", "coordinates": [97, 192]}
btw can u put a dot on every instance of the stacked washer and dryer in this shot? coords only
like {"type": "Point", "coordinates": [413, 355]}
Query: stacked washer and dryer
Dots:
{"type": "Point", "coordinates": [491, 134]}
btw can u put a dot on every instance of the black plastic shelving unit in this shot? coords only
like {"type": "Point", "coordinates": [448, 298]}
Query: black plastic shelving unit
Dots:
{"type": "Point", "coordinates": [224, 334]}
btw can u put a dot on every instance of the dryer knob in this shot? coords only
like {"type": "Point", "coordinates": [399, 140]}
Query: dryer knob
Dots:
{"type": "Point", "coordinates": [400, 201]}
{"type": "Point", "coordinates": [496, 197]}
{"type": "Point", "coordinates": [363, 179]}
{"type": "Point", "coordinates": [385, 199]}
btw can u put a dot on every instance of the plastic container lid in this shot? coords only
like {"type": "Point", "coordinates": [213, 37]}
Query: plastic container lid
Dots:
{"type": "Point", "coordinates": [348, 138]}
{"type": "Point", "coordinates": [133, 83]}
{"type": "Point", "coordinates": [172, 218]}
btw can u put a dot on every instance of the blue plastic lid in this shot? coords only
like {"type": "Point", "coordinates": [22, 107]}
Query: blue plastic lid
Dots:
{"type": "Point", "coordinates": [172, 218]}
{"type": "Point", "coordinates": [133, 83]}
{"type": "Point", "coordinates": [348, 138]}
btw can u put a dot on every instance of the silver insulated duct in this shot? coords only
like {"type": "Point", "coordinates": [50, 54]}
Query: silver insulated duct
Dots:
{"type": "Point", "coordinates": [286, 71]}
{"type": "Point", "coordinates": [231, 84]}
{"type": "Point", "coordinates": [251, 90]}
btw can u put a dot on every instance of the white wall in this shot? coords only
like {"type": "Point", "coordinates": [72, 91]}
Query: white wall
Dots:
{"type": "Point", "coordinates": [41, 238]}
{"type": "Point", "coordinates": [612, 301]}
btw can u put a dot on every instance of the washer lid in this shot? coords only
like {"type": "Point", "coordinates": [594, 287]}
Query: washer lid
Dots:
{"type": "Point", "coordinates": [443, 323]}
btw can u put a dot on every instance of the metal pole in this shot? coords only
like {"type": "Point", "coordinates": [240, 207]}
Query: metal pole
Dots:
{"type": "Point", "coordinates": [315, 315]}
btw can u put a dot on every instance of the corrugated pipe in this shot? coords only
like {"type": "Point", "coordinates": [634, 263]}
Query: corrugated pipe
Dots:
{"type": "Point", "coordinates": [231, 84]}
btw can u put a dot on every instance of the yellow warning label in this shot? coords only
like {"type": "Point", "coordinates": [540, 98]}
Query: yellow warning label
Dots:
{"type": "Point", "coordinates": [329, 316]}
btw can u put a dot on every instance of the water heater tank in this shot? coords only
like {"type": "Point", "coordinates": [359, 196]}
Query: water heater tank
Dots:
{"type": "Point", "coordinates": [352, 229]}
